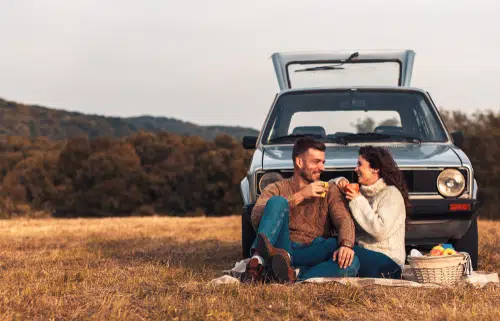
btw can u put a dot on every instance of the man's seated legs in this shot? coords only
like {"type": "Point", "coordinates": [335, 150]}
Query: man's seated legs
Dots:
{"type": "Point", "coordinates": [316, 260]}
{"type": "Point", "coordinates": [273, 239]}
{"type": "Point", "coordinates": [318, 251]}
{"type": "Point", "coordinates": [329, 268]}
{"type": "Point", "coordinates": [274, 224]}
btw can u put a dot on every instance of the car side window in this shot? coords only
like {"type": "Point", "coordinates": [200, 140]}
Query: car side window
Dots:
{"type": "Point", "coordinates": [430, 128]}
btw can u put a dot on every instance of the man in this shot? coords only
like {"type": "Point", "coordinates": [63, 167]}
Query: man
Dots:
{"type": "Point", "coordinates": [294, 219]}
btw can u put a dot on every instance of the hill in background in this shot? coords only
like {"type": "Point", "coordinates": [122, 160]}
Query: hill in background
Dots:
{"type": "Point", "coordinates": [33, 121]}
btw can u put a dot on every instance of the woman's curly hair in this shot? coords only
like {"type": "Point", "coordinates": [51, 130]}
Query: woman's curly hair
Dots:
{"type": "Point", "coordinates": [380, 158]}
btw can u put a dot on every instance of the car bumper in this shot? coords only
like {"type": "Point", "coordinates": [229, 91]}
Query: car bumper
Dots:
{"type": "Point", "coordinates": [424, 232]}
{"type": "Point", "coordinates": [422, 209]}
{"type": "Point", "coordinates": [433, 222]}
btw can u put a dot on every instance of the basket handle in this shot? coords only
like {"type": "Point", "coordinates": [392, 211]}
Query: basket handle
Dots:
{"type": "Point", "coordinates": [467, 263]}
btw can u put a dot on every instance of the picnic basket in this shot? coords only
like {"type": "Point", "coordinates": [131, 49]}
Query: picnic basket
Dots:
{"type": "Point", "coordinates": [445, 270]}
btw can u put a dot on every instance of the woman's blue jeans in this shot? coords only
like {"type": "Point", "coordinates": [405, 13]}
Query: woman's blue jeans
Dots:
{"type": "Point", "coordinates": [376, 265]}
{"type": "Point", "coordinates": [314, 259]}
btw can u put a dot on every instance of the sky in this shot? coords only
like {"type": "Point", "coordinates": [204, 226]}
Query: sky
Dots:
{"type": "Point", "coordinates": [208, 62]}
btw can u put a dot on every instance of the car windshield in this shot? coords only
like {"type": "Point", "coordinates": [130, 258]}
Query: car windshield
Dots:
{"type": "Point", "coordinates": [345, 116]}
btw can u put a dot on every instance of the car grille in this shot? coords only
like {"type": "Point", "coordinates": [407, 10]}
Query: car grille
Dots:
{"type": "Point", "coordinates": [417, 181]}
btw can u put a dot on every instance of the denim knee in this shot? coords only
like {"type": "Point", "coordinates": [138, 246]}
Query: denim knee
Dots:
{"type": "Point", "coordinates": [355, 265]}
{"type": "Point", "coordinates": [353, 269]}
{"type": "Point", "coordinates": [277, 202]}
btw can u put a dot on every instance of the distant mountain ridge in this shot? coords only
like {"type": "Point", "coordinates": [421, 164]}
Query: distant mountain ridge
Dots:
{"type": "Point", "coordinates": [18, 119]}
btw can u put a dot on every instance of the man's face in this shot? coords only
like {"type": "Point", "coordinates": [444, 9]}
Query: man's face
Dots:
{"type": "Point", "coordinates": [311, 164]}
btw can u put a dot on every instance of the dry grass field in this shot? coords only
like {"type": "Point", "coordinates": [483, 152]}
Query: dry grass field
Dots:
{"type": "Point", "coordinates": [159, 268]}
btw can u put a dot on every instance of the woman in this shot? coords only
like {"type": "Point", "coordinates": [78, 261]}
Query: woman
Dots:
{"type": "Point", "coordinates": [379, 208]}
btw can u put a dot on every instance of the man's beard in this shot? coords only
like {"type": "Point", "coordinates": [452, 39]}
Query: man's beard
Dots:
{"type": "Point", "coordinates": [308, 177]}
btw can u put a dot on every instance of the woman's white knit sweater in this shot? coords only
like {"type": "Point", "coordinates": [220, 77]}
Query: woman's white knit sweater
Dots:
{"type": "Point", "coordinates": [380, 212]}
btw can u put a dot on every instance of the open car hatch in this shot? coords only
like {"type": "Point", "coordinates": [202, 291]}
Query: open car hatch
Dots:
{"type": "Point", "coordinates": [343, 68]}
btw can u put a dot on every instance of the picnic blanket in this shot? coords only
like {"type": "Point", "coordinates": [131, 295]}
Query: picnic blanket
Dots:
{"type": "Point", "coordinates": [477, 278]}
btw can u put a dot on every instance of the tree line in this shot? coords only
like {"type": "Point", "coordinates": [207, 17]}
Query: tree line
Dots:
{"type": "Point", "coordinates": [143, 174]}
{"type": "Point", "coordinates": [168, 174]}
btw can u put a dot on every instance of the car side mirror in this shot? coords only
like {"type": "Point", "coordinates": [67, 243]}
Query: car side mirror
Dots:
{"type": "Point", "coordinates": [458, 138]}
{"type": "Point", "coordinates": [249, 142]}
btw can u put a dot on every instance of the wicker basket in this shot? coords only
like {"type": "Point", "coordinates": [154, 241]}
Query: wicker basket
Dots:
{"type": "Point", "coordinates": [447, 269]}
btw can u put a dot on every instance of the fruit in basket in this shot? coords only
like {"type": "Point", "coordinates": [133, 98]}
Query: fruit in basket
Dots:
{"type": "Point", "coordinates": [437, 251]}
{"type": "Point", "coordinates": [449, 251]}
{"type": "Point", "coordinates": [443, 249]}
{"type": "Point", "coordinates": [438, 247]}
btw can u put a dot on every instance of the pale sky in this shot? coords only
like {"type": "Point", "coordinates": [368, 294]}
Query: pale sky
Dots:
{"type": "Point", "coordinates": [208, 61]}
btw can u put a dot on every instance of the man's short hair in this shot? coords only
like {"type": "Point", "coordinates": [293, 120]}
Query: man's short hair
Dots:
{"type": "Point", "coordinates": [304, 143]}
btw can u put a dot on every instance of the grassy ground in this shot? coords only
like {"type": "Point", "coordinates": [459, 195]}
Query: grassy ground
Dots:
{"type": "Point", "coordinates": [159, 268]}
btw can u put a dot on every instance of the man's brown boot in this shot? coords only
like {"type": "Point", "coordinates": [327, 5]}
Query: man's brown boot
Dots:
{"type": "Point", "coordinates": [269, 253]}
{"type": "Point", "coordinates": [282, 269]}
{"type": "Point", "coordinates": [254, 272]}
{"type": "Point", "coordinates": [266, 250]}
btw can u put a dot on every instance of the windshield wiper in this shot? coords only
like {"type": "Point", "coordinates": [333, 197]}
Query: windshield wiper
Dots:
{"type": "Point", "coordinates": [409, 139]}
{"type": "Point", "coordinates": [288, 137]}
{"type": "Point", "coordinates": [337, 140]}
{"type": "Point", "coordinates": [330, 67]}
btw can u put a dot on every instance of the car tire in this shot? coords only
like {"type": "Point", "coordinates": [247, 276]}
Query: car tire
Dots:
{"type": "Point", "coordinates": [469, 243]}
{"type": "Point", "coordinates": [248, 235]}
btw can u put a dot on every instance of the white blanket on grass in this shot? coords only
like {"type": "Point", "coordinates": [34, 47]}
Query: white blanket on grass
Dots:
{"type": "Point", "coordinates": [477, 278]}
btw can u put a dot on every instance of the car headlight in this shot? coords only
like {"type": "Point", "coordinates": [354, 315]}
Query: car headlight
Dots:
{"type": "Point", "coordinates": [269, 178]}
{"type": "Point", "coordinates": [450, 183]}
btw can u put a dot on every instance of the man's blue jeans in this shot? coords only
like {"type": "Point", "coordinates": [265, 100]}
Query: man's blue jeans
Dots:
{"type": "Point", "coordinates": [313, 260]}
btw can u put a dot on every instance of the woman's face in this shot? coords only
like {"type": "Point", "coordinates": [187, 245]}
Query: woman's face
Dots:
{"type": "Point", "coordinates": [366, 174]}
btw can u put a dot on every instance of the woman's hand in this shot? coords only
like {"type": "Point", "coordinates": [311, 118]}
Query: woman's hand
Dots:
{"type": "Point", "coordinates": [342, 183]}
{"type": "Point", "coordinates": [350, 193]}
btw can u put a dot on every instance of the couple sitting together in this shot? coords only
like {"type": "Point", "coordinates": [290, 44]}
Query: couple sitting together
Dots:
{"type": "Point", "coordinates": [294, 220]}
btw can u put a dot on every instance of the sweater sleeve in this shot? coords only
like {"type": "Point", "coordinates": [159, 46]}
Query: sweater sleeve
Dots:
{"type": "Point", "coordinates": [379, 223]}
{"type": "Point", "coordinates": [336, 180]}
{"type": "Point", "coordinates": [339, 215]}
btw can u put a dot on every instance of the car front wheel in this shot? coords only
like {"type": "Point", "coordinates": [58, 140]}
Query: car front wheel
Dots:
{"type": "Point", "coordinates": [469, 243]}
{"type": "Point", "coordinates": [248, 235]}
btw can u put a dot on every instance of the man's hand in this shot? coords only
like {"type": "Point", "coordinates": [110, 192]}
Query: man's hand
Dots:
{"type": "Point", "coordinates": [342, 183]}
{"type": "Point", "coordinates": [343, 256]}
{"type": "Point", "coordinates": [315, 189]}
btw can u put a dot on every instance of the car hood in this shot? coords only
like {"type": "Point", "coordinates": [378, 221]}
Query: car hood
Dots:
{"type": "Point", "coordinates": [405, 155]}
